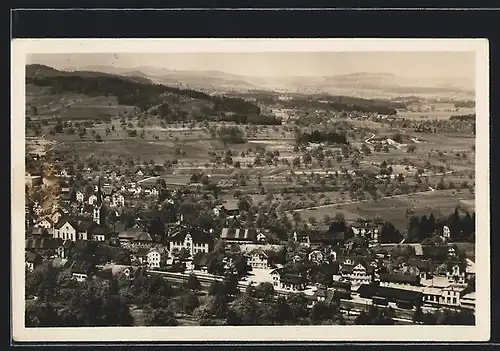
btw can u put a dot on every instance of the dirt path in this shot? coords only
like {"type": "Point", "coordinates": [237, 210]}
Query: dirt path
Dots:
{"type": "Point", "coordinates": [143, 180]}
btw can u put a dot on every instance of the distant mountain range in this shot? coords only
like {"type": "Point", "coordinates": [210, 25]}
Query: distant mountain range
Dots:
{"type": "Point", "coordinates": [361, 82]}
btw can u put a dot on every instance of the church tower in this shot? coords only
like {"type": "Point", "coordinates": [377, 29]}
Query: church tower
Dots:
{"type": "Point", "coordinates": [98, 213]}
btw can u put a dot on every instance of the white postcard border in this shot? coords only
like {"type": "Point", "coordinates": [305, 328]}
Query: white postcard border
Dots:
{"type": "Point", "coordinates": [479, 332]}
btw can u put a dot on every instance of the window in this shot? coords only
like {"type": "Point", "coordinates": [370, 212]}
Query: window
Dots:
{"type": "Point", "coordinates": [454, 300]}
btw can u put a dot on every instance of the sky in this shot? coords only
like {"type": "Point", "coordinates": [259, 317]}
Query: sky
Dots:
{"type": "Point", "coordinates": [416, 64]}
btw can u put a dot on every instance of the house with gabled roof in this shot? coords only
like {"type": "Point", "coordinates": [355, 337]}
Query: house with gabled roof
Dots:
{"type": "Point", "coordinates": [64, 248]}
{"type": "Point", "coordinates": [118, 200]}
{"type": "Point", "coordinates": [357, 273]}
{"type": "Point", "coordinates": [456, 271]}
{"type": "Point", "coordinates": [301, 238]}
{"type": "Point", "coordinates": [288, 279]}
{"type": "Point", "coordinates": [120, 271]}
{"type": "Point", "coordinates": [230, 207]}
{"type": "Point", "coordinates": [46, 247]}
{"type": "Point", "coordinates": [135, 237]}
{"type": "Point", "coordinates": [322, 295]}
{"type": "Point", "coordinates": [100, 232]}
{"type": "Point", "coordinates": [37, 209]}
{"type": "Point", "coordinates": [258, 259]}
{"type": "Point", "coordinates": [33, 260]}
{"type": "Point", "coordinates": [192, 239]}
{"type": "Point", "coordinates": [81, 270]}
{"type": "Point", "coordinates": [45, 223]}
{"type": "Point", "coordinates": [66, 229]}
{"type": "Point", "coordinates": [80, 196]}
{"type": "Point", "coordinates": [140, 255]}
{"type": "Point", "coordinates": [200, 261]}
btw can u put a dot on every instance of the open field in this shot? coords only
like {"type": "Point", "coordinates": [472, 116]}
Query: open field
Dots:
{"type": "Point", "coordinates": [439, 115]}
{"type": "Point", "coordinates": [393, 209]}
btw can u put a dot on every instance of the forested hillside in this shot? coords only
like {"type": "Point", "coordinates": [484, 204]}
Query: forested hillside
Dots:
{"type": "Point", "coordinates": [142, 94]}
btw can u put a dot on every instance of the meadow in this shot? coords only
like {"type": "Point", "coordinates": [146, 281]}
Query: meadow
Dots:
{"type": "Point", "coordinates": [437, 114]}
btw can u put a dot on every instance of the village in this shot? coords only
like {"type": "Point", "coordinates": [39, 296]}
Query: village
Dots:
{"type": "Point", "coordinates": [345, 264]}
{"type": "Point", "coordinates": [174, 206]}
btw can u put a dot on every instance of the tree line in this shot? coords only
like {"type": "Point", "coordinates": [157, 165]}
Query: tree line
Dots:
{"type": "Point", "coordinates": [256, 119]}
{"type": "Point", "coordinates": [346, 104]}
{"type": "Point", "coordinates": [462, 228]}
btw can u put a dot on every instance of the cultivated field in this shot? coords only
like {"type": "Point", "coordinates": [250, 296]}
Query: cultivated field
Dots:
{"type": "Point", "coordinates": [440, 203]}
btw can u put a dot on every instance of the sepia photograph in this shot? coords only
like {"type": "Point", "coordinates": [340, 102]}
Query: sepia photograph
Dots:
{"type": "Point", "coordinates": [222, 189]}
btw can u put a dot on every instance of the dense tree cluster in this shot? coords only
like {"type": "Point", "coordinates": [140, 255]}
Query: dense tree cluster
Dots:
{"type": "Point", "coordinates": [375, 316]}
{"type": "Point", "coordinates": [255, 119]}
{"type": "Point", "coordinates": [231, 134]}
{"type": "Point", "coordinates": [462, 228]}
{"type": "Point", "coordinates": [236, 105]}
{"type": "Point", "coordinates": [470, 117]}
{"type": "Point", "coordinates": [62, 301]}
{"type": "Point", "coordinates": [444, 317]}
{"type": "Point", "coordinates": [389, 234]}
{"type": "Point", "coordinates": [465, 104]}
{"type": "Point", "coordinates": [317, 136]}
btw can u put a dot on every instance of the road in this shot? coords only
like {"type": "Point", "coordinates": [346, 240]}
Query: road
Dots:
{"type": "Point", "coordinates": [146, 179]}
{"type": "Point", "coordinates": [370, 138]}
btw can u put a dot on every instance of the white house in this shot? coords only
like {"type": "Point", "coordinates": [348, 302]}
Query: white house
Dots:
{"type": "Point", "coordinates": [80, 197]}
{"type": "Point", "coordinates": [316, 256]}
{"type": "Point", "coordinates": [118, 200]}
{"type": "Point", "coordinates": [261, 237]}
{"type": "Point", "coordinates": [37, 209]}
{"type": "Point", "coordinates": [216, 211]}
{"type": "Point", "coordinates": [451, 295]}
{"type": "Point", "coordinates": [154, 258]}
{"type": "Point", "coordinates": [193, 240]}
{"type": "Point", "coordinates": [456, 272]}
{"type": "Point", "coordinates": [92, 199]}
{"type": "Point", "coordinates": [66, 230]}
{"type": "Point", "coordinates": [446, 232]}
{"type": "Point", "coordinates": [358, 274]}
{"type": "Point", "coordinates": [288, 281]}
{"type": "Point", "coordinates": [259, 260]}
{"type": "Point", "coordinates": [154, 191]}
{"type": "Point", "coordinates": [44, 223]}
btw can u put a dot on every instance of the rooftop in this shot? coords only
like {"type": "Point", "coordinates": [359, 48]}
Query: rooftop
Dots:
{"type": "Point", "coordinates": [238, 234]}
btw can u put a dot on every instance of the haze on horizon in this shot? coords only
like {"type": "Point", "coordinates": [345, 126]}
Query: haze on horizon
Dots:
{"type": "Point", "coordinates": [418, 64]}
